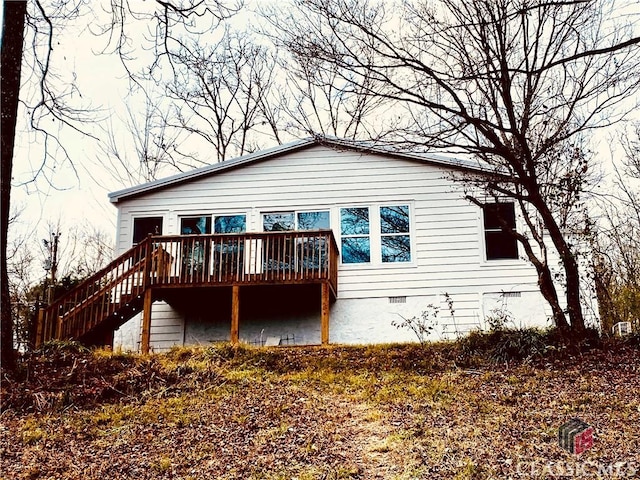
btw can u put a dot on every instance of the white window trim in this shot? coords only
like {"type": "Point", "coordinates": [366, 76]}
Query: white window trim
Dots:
{"type": "Point", "coordinates": [375, 236]}
{"type": "Point", "coordinates": [370, 235]}
{"type": "Point", "coordinates": [134, 216]}
{"type": "Point", "coordinates": [498, 262]}
{"type": "Point", "coordinates": [231, 214]}
{"type": "Point", "coordinates": [295, 212]}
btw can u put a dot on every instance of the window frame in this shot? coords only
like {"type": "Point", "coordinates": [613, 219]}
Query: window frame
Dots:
{"type": "Point", "coordinates": [368, 235]}
{"type": "Point", "coordinates": [194, 216]}
{"type": "Point", "coordinates": [375, 235]}
{"type": "Point", "coordinates": [145, 216]}
{"type": "Point", "coordinates": [485, 244]}
{"type": "Point", "coordinates": [296, 222]}
{"type": "Point", "coordinates": [408, 233]}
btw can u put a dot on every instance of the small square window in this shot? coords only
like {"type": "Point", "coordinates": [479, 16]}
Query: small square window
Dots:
{"type": "Point", "coordinates": [144, 226]}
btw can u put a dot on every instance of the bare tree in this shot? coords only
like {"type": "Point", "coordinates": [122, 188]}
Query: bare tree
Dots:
{"type": "Point", "coordinates": [319, 101]}
{"type": "Point", "coordinates": [146, 147]}
{"type": "Point", "coordinates": [616, 241]}
{"type": "Point", "coordinates": [46, 96]}
{"type": "Point", "coordinates": [41, 267]}
{"type": "Point", "coordinates": [20, 277]}
{"type": "Point", "coordinates": [37, 25]}
{"type": "Point", "coordinates": [159, 27]}
{"type": "Point", "coordinates": [518, 84]}
{"type": "Point", "coordinates": [220, 92]}
{"type": "Point", "coordinates": [12, 38]}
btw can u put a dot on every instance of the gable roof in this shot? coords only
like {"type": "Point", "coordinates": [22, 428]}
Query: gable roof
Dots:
{"type": "Point", "coordinates": [262, 155]}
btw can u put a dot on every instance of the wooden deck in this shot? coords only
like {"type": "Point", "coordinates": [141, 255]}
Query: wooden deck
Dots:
{"type": "Point", "coordinates": [128, 285]}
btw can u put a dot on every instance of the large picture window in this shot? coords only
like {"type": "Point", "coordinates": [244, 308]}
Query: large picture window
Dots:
{"type": "Point", "coordinates": [499, 222]}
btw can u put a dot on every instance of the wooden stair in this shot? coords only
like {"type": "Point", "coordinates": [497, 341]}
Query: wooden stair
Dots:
{"type": "Point", "coordinates": [93, 310]}
{"type": "Point", "coordinates": [160, 265]}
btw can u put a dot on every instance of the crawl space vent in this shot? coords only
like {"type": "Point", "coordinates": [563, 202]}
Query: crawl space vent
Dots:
{"type": "Point", "coordinates": [397, 299]}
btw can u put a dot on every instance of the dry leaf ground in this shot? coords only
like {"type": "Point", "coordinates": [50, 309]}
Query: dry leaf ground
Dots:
{"type": "Point", "coordinates": [387, 412]}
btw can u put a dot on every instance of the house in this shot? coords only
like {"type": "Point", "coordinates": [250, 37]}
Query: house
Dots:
{"type": "Point", "coordinates": [319, 240]}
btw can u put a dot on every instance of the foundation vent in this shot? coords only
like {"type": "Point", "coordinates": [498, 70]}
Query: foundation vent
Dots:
{"type": "Point", "coordinates": [512, 294]}
{"type": "Point", "coordinates": [397, 299]}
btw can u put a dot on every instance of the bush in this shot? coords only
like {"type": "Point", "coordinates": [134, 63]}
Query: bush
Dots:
{"type": "Point", "coordinates": [504, 345]}
{"type": "Point", "coordinates": [524, 344]}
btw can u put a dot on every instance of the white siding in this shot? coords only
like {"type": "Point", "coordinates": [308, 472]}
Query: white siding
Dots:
{"type": "Point", "coordinates": [447, 232]}
{"type": "Point", "coordinates": [167, 330]}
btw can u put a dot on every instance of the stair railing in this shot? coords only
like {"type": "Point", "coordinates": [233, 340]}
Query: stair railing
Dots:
{"type": "Point", "coordinates": [96, 298]}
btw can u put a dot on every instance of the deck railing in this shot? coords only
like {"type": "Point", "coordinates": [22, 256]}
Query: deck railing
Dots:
{"type": "Point", "coordinates": [246, 258]}
{"type": "Point", "coordinates": [180, 261]}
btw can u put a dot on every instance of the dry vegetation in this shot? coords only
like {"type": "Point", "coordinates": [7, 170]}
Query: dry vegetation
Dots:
{"type": "Point", "coordinates": [464, 410]}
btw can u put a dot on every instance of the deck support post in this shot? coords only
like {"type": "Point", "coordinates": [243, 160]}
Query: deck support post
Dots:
{"type": "Point", "coordinates": [145, 343]}
{"type": "Point", "coordinates": [324, 313]}
{"type": "Point", "coordinates": [235, 314]}
{"type": "Point", "coordinates": [38, 341]}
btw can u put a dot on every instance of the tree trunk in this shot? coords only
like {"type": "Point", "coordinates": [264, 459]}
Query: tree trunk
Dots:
{"type": "Point", "coordinates": [548, 290]}
{"type": "Point", "coordinates": [545, 283]}
{"type": "Point", "coordinates": [570, 266]}
{"type": "Point", "coordinates": [12, 47]}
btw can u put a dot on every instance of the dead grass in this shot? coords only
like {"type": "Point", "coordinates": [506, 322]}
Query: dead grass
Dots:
{"type": "Point", "coordinates": [385, 412]}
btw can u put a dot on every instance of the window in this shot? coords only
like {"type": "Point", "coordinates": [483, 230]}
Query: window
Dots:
{"type": "Point", "coordinates": [395, 239]}
{"type": "Point", "coordinates": [354, 230]}
{"type": "Point", "coordinates": [229, 254]}
{"type": "Point", "coordinates": [278, 222]}
{"type": "Point", "coordinates": [376, 235]}
{"type": "Point", "coordinates": [313, 251]}
{"type": "Point", "coordinates": [144, 226]}
{"type": "Point", "coordinates": [230, 224]}
{"type": "Point", "coordinates": [195, 225]}
{"type": "Point", "coordinates": [282, 253]}
{"type": "Point", "coordinates": [194, 252]}
{"type": "Point", "coordinates": [287, 221]}
{"type": "Point", "coordinates": [500, 244]}
{"type": "Point", "coordinates": [313, 220]}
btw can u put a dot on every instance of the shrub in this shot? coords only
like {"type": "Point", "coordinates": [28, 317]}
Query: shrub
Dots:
{"type": "Point", "coordinates": [423, 325]}
{"type": "Point", "coordinates": [504, 345]}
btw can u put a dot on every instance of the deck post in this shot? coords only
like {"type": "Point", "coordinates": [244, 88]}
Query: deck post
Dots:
{"type": "Point", "coordinates": [58, 328]}
{"type": "Point", "coordinates": [235, 313]}
{"type": "Point", "coordinates": [145, 343]}
{"type": "Point", "coordinates": [38, 342]}
{"type": "Point", "coordinates": [324, 313]}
